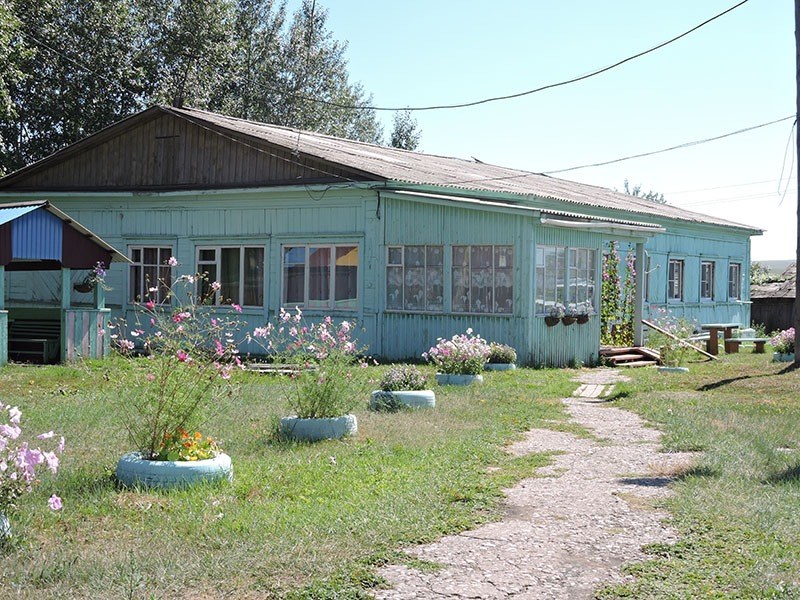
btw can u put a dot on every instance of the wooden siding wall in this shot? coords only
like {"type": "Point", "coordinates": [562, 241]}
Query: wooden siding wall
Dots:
{"type": "Point", "coordinates": [3, 337]}
{"type": "Point", "coordinates": [693, 245]}
{"type": "Point", "coordinates": [84, 334]}
{"type": "Point", "coordinates": [562, 345]}
{"type": "Point", "coordinates": [407, 334]}
{"type": "Point", "coordinates": [171, 153]}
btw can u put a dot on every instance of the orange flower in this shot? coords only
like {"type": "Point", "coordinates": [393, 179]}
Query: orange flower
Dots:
{"type": "Point", "coordinates": [197, 435]}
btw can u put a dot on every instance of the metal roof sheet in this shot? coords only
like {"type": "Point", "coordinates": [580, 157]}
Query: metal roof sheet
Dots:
{"type": "Point", "coordinates": [398, 165]}
{"type": "Point", "coordinates": [9, 213]}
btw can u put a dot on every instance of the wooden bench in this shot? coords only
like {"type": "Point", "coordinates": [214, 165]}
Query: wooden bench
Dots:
{"type": "Point", "coordinates": [34, 341]}
{"type": "Point", "coordinates": [732, 344]}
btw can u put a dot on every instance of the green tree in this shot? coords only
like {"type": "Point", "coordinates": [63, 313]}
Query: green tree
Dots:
{"type": "Point", "coordinates": [405, 132]}
{"type": "Point", "coordinates": [636, 190]}
{"type": "Point", "coordinates": [73, 67]}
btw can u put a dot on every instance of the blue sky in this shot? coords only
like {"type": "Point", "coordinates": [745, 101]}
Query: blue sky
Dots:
{"type": "Point", "coordinates": [735, 72]}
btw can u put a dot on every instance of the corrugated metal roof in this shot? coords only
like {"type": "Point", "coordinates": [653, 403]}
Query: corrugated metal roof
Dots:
{"type": "Point", "coordinates": [785, 288]}
{"type": "Point", "coordinates": [9, 213]}
{"type": "Point", "coordinates": [15, 210]}
{"type": "Point", "coordinates": [398, 165]}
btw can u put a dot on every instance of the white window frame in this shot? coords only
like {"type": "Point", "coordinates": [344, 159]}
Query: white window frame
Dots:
{"type": "Point", "coordinates": [574, 275]}
{"type": "Point", "coordinates": [161, 296]}
{"type": "Point", "coordinates": [707, 276]}
{"type": "Point", "coordinates": [735, 282]}
{"type": "Point", "coordinates": [680, 279]}
{"type": "Point", "coordinates": [494, 268]}
{"type": "Point", "coordinates": [402, 265]}
{"type": "Point", "coordinates": [332, 306]}
{"type": "Point", "coordinates": [217, 298]}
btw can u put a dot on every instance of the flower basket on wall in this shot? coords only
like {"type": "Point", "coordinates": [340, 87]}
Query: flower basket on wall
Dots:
{"type": "Point", "coordinates": [551, 321]}
{"type": "Point", "coordinates": [582, 319]}
{"type": "Point", "coordinates": [568, 320]}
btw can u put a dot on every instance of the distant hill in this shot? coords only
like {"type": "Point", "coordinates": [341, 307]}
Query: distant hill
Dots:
{"type": "Point", "coordinates": [776, 267]}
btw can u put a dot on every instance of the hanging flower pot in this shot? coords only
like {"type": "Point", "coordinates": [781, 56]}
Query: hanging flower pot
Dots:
{"type": "Point", "coordinates": [551, 321]}
{"type": "Point", "coordinates": [568, 320]}
{"type": "Point", "coordinates": [583, 319]}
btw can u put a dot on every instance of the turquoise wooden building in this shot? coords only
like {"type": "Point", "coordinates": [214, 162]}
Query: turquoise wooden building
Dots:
{"type": "Point", "coordinates": [412, 246]}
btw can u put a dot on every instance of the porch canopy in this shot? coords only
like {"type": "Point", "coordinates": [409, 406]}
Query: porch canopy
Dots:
{"type": "Point", "coordinates": [36, 236]}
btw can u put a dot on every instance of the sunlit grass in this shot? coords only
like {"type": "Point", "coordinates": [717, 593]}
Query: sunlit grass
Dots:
{"type": "Point", "coordinates": [299, 520]}
{"type": "Point", "coordinates": [737, 508]}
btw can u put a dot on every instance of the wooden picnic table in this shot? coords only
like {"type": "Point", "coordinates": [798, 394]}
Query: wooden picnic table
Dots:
{"type": "Point", "coordinates": [713, 334]}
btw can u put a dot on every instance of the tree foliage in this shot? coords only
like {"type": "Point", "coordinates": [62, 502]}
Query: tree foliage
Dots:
{"type": "Point", "coordinates": [636, 191]}
{"type": "Point", "coordinates": [405, 133]}
{"type": "Point", "coordinates": [72, 67]}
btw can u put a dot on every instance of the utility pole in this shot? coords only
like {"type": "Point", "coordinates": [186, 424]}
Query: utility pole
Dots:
{"type": "Point", "coordinates": [796, 311]}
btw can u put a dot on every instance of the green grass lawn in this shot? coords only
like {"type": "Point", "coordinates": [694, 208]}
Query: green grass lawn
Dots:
{"type": "Point", "coordinates": [738, 508]}
{"type": "Point", "coordinates": [299, 520]}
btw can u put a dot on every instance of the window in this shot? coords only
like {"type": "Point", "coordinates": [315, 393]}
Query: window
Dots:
{"type": "Point", "coordinates": [735, 281]}
{"type": "Point", "coordinates": [483, 279]}
{"type": "Point", "coordinates": [675, 280]}
{"type": "Point", "coordinates": [582, 277]}
{"type": "Point", "coordinates": [707, 280]}
{"type": "Point", "coordinates": [150, 271]}
{"type": "Point", "coordinates": [240, 271]}
{"type": "Point", "coordinates": [565, 276]}
{"type": "Point", "coordinates": [415, 278]}
{"type": "Point", "coordinates": [550, 275]}
{"type": "Point", "coordinates": [321, 276]}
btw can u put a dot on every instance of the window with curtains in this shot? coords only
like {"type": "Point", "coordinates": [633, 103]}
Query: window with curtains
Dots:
{"type": "Point", "coordinates": [321, 276]}
{"type": "Point", "coordinates": [415, 278]}
{"type": "Point", "coordinates": [150, 277]}
{"type": "Point", "coordinates": [483, 279]}
{"type": "Point", "coordinates": [239, 270]}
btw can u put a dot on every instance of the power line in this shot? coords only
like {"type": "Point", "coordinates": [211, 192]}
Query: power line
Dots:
{"type": "Point", "coordinates": [783, 164]}
{"type": "Point", "coordinates": [528, 92]}
{"type": "Point", "coordinates": [678, 147]}
{"type": "Point", "coordinates": [729, 199]}
{"type": "Point", "coordinates": [719, 187]}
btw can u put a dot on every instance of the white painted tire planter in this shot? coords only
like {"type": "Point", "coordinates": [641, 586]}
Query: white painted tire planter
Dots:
{"type": "Point", "coordinates": [499, 366]}
{"type": "Point", "coordinates": [411, 398]}
{"type": "Point", "coordinates": [314, 430]}
{"type": "Point", "coordinates": [782, 357]}
{"type": "Point", "coordinates": [673, 369]}
{"type": "Point", "coordinates": [5, 527]}
{"type": "Point", "coordinates": [133, 470]}
{"type": "Point", "coordinates": [457, 379]}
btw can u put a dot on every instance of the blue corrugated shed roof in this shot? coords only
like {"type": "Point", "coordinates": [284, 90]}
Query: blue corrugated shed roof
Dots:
{"type": "Point", "coordinates": [15, 212]}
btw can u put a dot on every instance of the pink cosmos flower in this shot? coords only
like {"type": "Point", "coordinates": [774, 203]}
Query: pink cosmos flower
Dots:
{"type": "Point", "coordinates": [54, 503]}
{"type": "Point", "coordinates": [150, 305]}
{"type": "Point", "coordinates": [182, 356]}
{"type": "Point", "coordinates": [172, 261]}
{"type": "Point", "coordinates": [236, 307]}
{"type": "Point", "coordinates": [216, 285]}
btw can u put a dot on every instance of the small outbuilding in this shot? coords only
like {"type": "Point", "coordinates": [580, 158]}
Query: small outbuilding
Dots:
{"type": "Point", "coordinates": [38, 241]}
{"type": "Point", "coordinates": [773, 302]}
{"type": "Point", "coordinates": [412, 246]}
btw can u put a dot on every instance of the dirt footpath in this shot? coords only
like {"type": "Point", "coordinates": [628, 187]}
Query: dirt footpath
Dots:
{"type": "Point", "coordinates": [565, 534]}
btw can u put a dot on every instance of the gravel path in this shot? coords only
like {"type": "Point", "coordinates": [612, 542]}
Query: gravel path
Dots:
{"type": "Point", "coordinates": [564, 534]}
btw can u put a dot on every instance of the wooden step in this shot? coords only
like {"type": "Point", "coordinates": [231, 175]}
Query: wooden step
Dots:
{"type": "Point", "coordinates": [638, 363]}
{"type": "Point", "coordinates": [619, 358]}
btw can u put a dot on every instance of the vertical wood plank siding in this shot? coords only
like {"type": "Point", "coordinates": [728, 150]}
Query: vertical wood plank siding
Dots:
{"type": "Point", "coordinates": [84, 334]}
{"type": "Point", "coordinates": [179, 155]}
{"type": "Point", "coordinates": [3, 337]}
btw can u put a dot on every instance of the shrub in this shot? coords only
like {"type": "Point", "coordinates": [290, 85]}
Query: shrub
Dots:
{"type": "Point", "coordinates": [384, 401]}
{"type": "Point", "coordinates": [673, 353]}
{"type": "Point", "coordinates": [501, 354]}
{"type": "Point", "coordinates": [783, 341]}
{"type": "Point", "coordinates": [189, 353]}
{"type": "Point", "coordinates": [463, 354]}
{"type": "Point", "coordinates": [329, 378]}
{"type": "Point", "coordinates": [403, 377]}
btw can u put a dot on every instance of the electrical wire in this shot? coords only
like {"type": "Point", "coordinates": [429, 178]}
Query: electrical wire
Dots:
{"type": "Point", "coordinates": [535, 90]}
{"type": "Point", "coordinates": [783, 164]}
{"type": "Point", "coordinates": [678, 147]}
{"type": "Point", "coordinates": [719, 187]}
